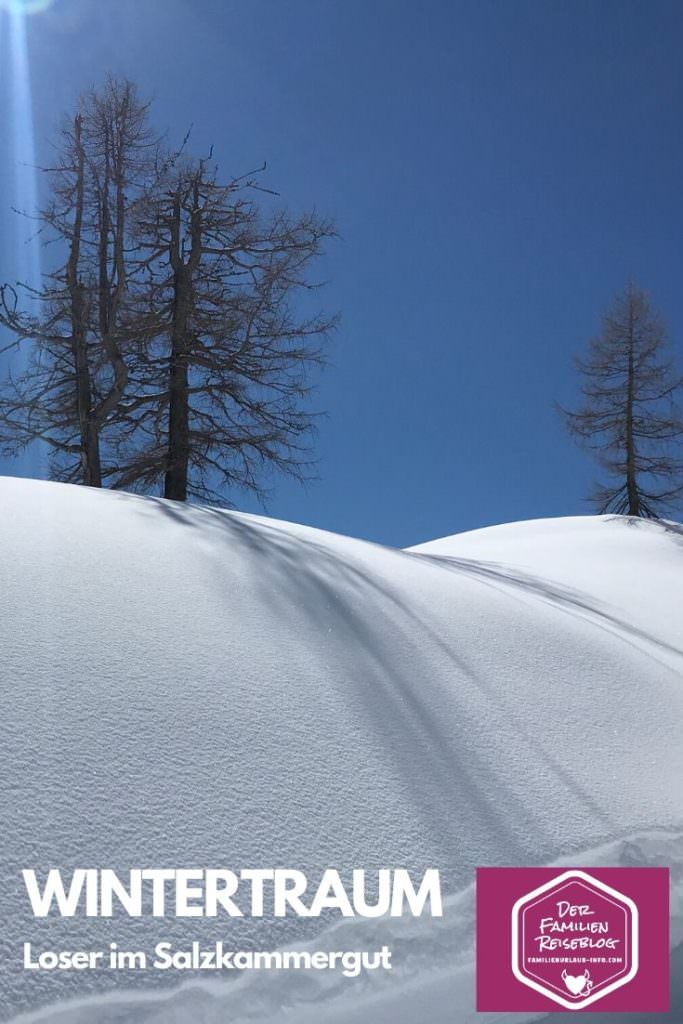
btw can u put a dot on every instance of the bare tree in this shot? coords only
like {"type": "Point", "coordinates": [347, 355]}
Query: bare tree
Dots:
{"type": "Point", "coordinates": [76, 371]}
{"type": "Point", "coordinates": [629, 416]}
{"type": "Point", "coordinates": [220, 382]}
{"type": "Point", "coordinates": [170, 350]}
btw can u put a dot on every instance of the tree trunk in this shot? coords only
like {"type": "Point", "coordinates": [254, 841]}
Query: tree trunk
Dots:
{"type": "Point", "coordinates": [113, 281]}
{"type": "Point", "coordinates": [178, 457]}
{"type": "Point", "coordinates": [631, 482]}
{"type": "Point", "coordinates": [175, 480]}
{"type": "Point", "coordinates": [88, 432]}
{"type": "Point", "coordinates": [178, 454]}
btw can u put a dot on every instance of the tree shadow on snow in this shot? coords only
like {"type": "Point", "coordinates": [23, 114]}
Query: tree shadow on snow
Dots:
{"type": "Point", "coordinates": [458, 794]}
{"type": "Point", "coordinates": [668, 526]}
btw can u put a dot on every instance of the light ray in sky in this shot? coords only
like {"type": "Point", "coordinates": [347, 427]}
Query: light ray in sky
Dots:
{"type": "Point", "coordinates": [26, 6]}
{"type": "Point", "coordinates": [25, 259]}
{"type": "Point", "coordinates": [24, 152]}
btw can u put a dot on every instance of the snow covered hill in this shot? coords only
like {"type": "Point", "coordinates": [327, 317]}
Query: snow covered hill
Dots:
{"type": "Point", "coordinates": [191, 687]}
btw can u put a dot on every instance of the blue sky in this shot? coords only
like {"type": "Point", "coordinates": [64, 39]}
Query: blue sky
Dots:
{"type": "Point", "coordinates": [496, 170]}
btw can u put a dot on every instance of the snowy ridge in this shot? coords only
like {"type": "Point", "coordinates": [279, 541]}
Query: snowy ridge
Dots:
{"type": "Point", "coordinates": [191, 687]}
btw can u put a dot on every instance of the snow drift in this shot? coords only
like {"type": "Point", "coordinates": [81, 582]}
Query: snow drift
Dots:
{"type": "Point", "coordinates": [187, 686]}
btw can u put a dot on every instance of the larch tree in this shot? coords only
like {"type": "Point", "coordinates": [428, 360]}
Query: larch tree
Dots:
{"type": "Point", "coordinates": [220, 381]}
{"type": "Point", "coordinates": [77, 324]}
{"type": "Point", "coordinates": [629, 415]}
{"type": "Point", "coordinates": [170, 350]}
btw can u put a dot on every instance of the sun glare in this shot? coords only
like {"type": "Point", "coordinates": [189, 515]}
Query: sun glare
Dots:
{"type": "Point", "coordinates": [26, 6]}
{"type": "Point", "coordinates": [21, 149]}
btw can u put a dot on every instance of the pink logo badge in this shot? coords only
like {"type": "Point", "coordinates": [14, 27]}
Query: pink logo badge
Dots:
{"type": "Point", "coordinates": [549, 939]}
{"type": "Point", "coordinates": [574, 939]}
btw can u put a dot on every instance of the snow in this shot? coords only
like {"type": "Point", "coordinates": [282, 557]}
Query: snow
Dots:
{"type": "Point", "coordinates": [192, 687]}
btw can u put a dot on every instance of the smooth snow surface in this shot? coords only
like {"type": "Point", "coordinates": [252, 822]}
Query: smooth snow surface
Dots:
{"type": "Point", "coordinates": [194, 688]}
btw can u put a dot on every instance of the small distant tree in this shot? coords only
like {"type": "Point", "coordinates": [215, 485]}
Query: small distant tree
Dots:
{"type": "Point", "coordinates": [629, 415]}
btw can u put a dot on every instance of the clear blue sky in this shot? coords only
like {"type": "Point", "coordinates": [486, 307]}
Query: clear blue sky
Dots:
{"type": "Point", "coordinates": [496, 170]}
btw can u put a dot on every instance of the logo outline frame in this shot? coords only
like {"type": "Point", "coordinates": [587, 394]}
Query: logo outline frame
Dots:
{"type": "Point", "coordinates": [548, 886]}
